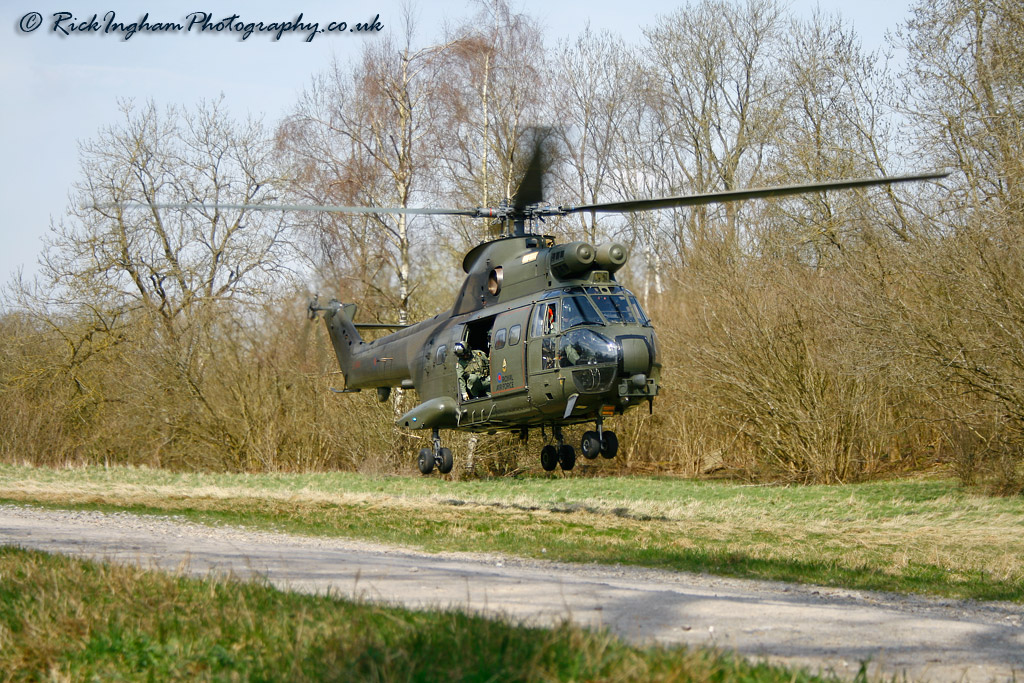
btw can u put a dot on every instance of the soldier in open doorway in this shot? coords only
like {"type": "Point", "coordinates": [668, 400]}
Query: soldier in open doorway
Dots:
{"type": "Point", "coordinates": [474, 372]}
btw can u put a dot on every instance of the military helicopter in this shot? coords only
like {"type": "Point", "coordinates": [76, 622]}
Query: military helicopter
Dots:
{"type": "Point", "coordinates": [541, 335]}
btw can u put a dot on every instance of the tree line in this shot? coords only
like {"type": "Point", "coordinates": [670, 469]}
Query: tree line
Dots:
{"type": "Point", "coordinates": [826, 337]}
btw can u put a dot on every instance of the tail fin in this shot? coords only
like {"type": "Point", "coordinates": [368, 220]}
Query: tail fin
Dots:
{"type": "Point", "coordinates": [344, 336]}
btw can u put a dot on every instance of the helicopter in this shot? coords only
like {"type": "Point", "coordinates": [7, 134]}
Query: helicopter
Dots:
{"type": "Point", "coordinates": [541, 334]}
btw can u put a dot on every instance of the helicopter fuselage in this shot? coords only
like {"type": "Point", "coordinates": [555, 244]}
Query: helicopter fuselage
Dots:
{"type": "Point", "coordinates": [564, 342]}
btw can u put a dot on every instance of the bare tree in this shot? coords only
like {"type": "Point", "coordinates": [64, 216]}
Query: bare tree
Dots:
{"type": "Point", "coordinates": [595, 78]}
{"type": "Point", "coordinates": [357, 138]}
{"type": "Point", "coordinates": [137, 293]}
{"type": "Point", "coordinates": [948, 303]}
{"type": "Point", "coordinates": [838, 123]}
{"type": "Point", "coordinates": [716, 95]}
{"type": "Point", "coordinates": [965, 90]}
{"type": "Point", "coordinates": [168, 262]}
{"type": "Point", "coordinates": [492, 93]}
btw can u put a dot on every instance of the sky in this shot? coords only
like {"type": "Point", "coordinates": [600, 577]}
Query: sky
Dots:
{"type": "Point", "coordinates": [61, 80]}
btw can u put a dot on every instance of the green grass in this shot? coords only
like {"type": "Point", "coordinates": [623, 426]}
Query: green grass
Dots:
{"type": "Point", "coordinates": [71, 619]}
{"type": "Point", "coordinates": [908, 536]}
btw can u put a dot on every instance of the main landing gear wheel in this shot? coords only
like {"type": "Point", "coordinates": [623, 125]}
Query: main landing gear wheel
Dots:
{"type": "Point", "coordinates": [566, 457]}
{"type": "Point", "coordinates": [549, 458]}
{"type": "Point", "coordinates": [435, 456]}
{"type": "Point", "coordinates": [610, 446]}
{"type": "Point", "coordinates": [445, 461]}
{"type": "Point", "coordinates": [590, 446]}
{"type": "Point", "coordinates": [426, 461]}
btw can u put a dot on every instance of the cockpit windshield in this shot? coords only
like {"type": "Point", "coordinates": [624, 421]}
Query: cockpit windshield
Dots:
{"type": "Point", "coordinates": [618, 305]}
{"type": "Point", "coordinates": [614, 307]}
{"type": "Point", "coordinates": [577, 310]}
{"type": "Point", "coordinates": [596, 306]}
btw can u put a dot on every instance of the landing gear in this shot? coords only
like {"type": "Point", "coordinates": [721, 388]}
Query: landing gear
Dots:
{"type": "Point", "coordinates": [549, 458]}
{"type": "Point", "coordinates": [562, 455]}
{"type": "Point", "coordinates": [446, 461]}
{"type": "Point", "coordinates": [600, 442]}
{"type": "Point", "coordinates": [566, 457]}
{"type": "Point", "coordinates": [426, 461]}
{"type": "Point", "coordinates": [441, 457]}
{"type": "Point", "coordinates": [590, 446]}
{"type": "Point", "coordinates": [609, 445]}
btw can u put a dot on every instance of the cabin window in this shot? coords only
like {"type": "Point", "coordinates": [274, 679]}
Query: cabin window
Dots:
{"type": "Point", "coordinates": [442, 353]}
{"type": "Point", "coordinates": [515, 333]}
{"type": "Point", "coordinates": [499, 338]}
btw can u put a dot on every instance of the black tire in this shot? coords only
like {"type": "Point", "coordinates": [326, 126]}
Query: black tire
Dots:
{"type": "Point", "coordinates": [610, 447]}
{"type": "Point", "coordinates": [590, 445]}
{"type": "Point", "coordinates": [426, 461]}
{"type": "Point", "coordinates": [549, 458]}
{"type": "Point", "coordinates": [567, 457]}
{"type": "Point", "coordinates": [447, 461]}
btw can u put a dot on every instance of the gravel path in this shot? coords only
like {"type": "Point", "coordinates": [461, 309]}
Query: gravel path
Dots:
{"type": "Point", "coordinates": [825, 628]}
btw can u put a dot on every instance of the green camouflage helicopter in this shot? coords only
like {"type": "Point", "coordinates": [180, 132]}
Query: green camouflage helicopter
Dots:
{"type": "Point", "coordinates": [540, 335]}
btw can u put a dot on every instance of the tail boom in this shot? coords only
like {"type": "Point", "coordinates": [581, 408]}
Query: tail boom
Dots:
{"type": "Point", "coordinates": [384, 362]}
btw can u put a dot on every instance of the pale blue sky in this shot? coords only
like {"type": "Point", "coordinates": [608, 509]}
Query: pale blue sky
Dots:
{"type": "Point", "coordinates": [57, 90]}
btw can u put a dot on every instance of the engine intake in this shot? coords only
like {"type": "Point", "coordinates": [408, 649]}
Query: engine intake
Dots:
{"type": "Point", "coordinates": [572, 258]}
{"type": "Point", "coordinates": [611, 256]}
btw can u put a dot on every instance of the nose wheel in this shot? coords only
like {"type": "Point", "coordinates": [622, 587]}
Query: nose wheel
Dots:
{"type": "Point", "coordinates": [435, 456]}
{"type": "Point", "coordinates": [563, 455]}
{"type": "Point", "coordinates": [602, 443]}
{"type": "Point", "coordinates": [609, 445]}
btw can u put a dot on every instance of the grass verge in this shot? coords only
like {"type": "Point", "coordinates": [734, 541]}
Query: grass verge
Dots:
{"type": "Point", "coordinates": [906, 536]}
{"type": "Point", "coordinates": [62, 618]}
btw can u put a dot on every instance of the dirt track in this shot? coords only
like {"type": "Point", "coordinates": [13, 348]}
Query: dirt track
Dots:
{"type": "Point", "coordinates": [824, 628]}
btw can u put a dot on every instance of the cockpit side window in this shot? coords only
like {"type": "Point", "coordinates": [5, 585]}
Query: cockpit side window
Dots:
{"type": "Point", "coordinates": [640, 313]}
{"type": "Point", "coordinates": [545, 320]}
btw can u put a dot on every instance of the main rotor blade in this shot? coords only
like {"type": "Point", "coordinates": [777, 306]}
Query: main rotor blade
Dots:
{"type": "Point", "coordinates": [531, 187]}
{"type": "Point", "coordinates": [379, 326]}
{"type": "Point", "coordinates": [294, 207]}
{"type": "Point", "coordinates": [739, 195]}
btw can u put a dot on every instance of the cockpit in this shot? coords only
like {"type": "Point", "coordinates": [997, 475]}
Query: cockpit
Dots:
{"type": "Point", "coordinates": [566, 320]}
{"type": "Point", "coordinates": [596, 306]}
